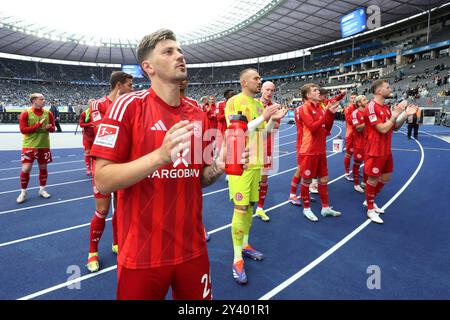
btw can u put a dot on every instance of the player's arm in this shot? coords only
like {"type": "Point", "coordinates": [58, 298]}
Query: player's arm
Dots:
{"type": "Point", "coordinates": [339, 97]}
{"type": "Point", "coordinates": [266, 116]}
{"type": "Point", "coordinates": [355, 122]}
{"type": "Point", "coordinates": [309, 122]}
{"type": "Point", "coordinates": [51, 126]}
{"type": "Point", "coordinates": [82, 121]}
{"type": "Point", "coordinates": [391, 123]}
{"type": "Point", "coordinates": [23, 124]}
{"type": "Point", "coordinates": [111, 176]}
{"type": "Point", "coordinates": [274, 121]}
{"type": "Point", "coordinates": [410, 110]}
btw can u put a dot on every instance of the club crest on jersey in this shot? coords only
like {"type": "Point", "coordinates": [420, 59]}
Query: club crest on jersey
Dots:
{"type": "Point", "coordinates": [372, 118]}
{"type": "Point", "coordinates": [359, 156]}
{"type": "Point", "coordinates": [307, 173]}
{"type": "Point", "coordinates": [375, 170]}
{"type": "Point", "coordinates": [107, 135]}
{"type": "Point", "coordinates": [239, 196]}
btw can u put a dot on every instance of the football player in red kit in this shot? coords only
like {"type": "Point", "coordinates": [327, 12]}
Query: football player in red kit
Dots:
{"type": "Point", "coordinates": [349, 147]}
{"type": "Point", "coordinates": [358, 139]}
{"type": "Point", "coordinates": [151, 148]}
{"type": "Point", "coordinates": [120, 83]}
{"type": "Point", "coordinates": [380, 124]}
{"type": "Point", "coordinates": [316, 123]}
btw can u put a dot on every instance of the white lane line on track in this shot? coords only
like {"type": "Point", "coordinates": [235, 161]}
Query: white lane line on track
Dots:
{"type": "Point", "coordinates": [50, 164]}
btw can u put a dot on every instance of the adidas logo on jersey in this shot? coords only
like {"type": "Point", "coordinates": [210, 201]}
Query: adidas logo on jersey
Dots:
{"type": "Point", "coordinates": [159, 126]}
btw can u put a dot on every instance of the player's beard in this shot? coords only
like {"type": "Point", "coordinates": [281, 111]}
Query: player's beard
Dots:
{"type": "Point", "coordinates": [180, 75]}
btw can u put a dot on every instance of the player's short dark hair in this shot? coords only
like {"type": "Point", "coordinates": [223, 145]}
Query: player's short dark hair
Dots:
{"type": "Point", "coordinates": [243, 72]}
{"type": "Point", "coordinates": [354, 93]}
{"type": "Point", "coordinates": [118, 77]}
{"type": "Point", "coordinates": [376, 84]}
{"type": "Point", "coordinates": [323, 91]}
{"type": "Point", "coordinates": [304, 90]}
{"type": "Point", "coordinates": [149, 42]}
{"type": "Point", "coordinates": [227, 92]}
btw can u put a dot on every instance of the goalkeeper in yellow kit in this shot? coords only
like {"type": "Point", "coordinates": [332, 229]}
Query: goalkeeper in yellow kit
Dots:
{"type": "Point", "coordinates": [244, 189]}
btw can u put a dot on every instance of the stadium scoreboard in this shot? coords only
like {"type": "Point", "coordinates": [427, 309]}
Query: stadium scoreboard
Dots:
{"type": "Point", "coordinates": [353, 23]}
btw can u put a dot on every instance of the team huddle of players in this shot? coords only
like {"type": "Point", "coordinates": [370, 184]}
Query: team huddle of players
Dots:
{"type": "Point", "coordinates": [138, 147]}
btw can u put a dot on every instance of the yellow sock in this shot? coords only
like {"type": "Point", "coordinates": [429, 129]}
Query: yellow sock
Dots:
{"type": "Point", "coordinates": [248, 224]}
{"type": "Point", "coordinates": [237, 232]}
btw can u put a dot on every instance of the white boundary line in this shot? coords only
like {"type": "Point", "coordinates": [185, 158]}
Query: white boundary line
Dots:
{"type": "Point", "coordinates": [338, 245]}
{"type": "Point", "coordinates": [37, 174]}
{"type": "Point", "coordinates": [50, 164]}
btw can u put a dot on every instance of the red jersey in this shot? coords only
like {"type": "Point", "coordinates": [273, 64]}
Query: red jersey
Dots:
{"type": "Point", "coordinates": [98, 110]}
{"type": "Point", "coordinates": [88, 130]}
{"type": "Point", "coordinates": [349, 120]}
{"type": "Point", "coordinates": [23, 122]}
{"type": "Point", "coordinates": [358, 137]}
{"type": "Point", "coordinates": [316, 122]}
{"type": "Point", "coordinates": [192, 102]}
{"type": "Point", "coordinates": [212, 116]}
{"type": "Point", "coordinates": [298, 123]}
{"type": "Point", "coordinates": [160, 217]}
{"type": "Point", "coordinates": [377, 144]}
{"type": "Point", "coordinates": [221, 112]}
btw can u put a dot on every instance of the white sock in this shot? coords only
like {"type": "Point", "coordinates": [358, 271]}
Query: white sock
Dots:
{"type": "Point", "coordinates": [24, 190]}
{"type": "Point", "coordinates": [41, 188]}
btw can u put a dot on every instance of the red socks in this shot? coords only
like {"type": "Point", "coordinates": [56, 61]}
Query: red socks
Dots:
{"type": "Point", "coordinates": [323, 193]}
{"type": "Point", "coordinates": [294, 184]}
{"type": "Point", "coordinates": [304, 192]}
{"type": "Point", "coordinates": [262, 191]}
{"type": "Point", "coordinates": [370, 196]}
{"type": "Point", "coordinates": [347, 164]}
{"type": "Point", "coordinates": [24, 179]}
{"type": "Point", "coordinates": [356, 166]}
{"type": "Point", "coordinates": [87, 160]}
{"type": "Point", "coordinates": [43, 174]}
{"type": "Point", "coordinates": [96, 230]}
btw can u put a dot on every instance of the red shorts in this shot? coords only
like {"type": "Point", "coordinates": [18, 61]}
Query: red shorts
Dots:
{"type": "Point", "coordinates": [299, 158]}
{"type": "Point", "coordinates": [376, 166]}
{"type": "Point", "coordinates": [358, 154]}
{"type": "Point", "coordinates": [42, 155]}
{"type": "Point", "coordinates": [349, 145]}
{"type": "Point", "coordinates": [97, 194]}
{"type": "Point", "coordinates": [313, 166]}
{"type": "Point", "coordinates": [190, 280]}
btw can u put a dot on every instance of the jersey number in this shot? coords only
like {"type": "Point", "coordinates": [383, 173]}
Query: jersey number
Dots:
{"type": "Point", "coordinates": [207, 284]}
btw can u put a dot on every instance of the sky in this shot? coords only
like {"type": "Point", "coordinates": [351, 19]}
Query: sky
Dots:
{"type": "Point", "coordinates": [117, 19]}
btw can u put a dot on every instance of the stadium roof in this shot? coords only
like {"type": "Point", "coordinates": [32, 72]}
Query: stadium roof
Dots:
{"type": "Point", "coordinates": [267, 27]}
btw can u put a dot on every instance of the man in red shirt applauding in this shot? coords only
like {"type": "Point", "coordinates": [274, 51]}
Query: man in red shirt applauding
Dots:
{"type": "Point", "coordinates": [317, 122]}
{"type": "Point", "coordinates": [380, 124]}
{"type": "Point", "coordinates": [35, 124]}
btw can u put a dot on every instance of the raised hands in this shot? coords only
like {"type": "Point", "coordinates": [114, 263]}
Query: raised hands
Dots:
{"type": "Point", "coordinates": [176, 139]}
